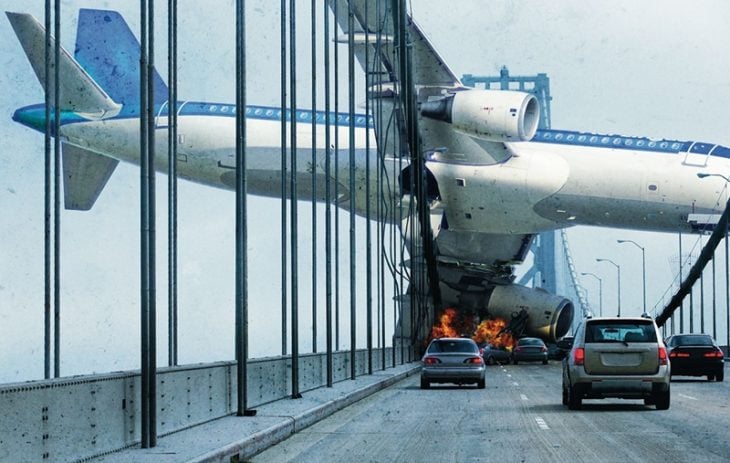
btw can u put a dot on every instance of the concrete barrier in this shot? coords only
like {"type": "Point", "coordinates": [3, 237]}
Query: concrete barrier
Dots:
{"type": "Point", "coordinates": [81, 417]}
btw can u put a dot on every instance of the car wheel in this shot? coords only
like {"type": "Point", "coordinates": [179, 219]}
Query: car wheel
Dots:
{"type": "Point", "coordinates": [710, 377]}
{"type": "Point", "coordinates": [720, 376]}
{"type": "Point", "coordinates": [544, 362]}
{"type": "Point", "coordinates": [425, 384]}
{"type": "Point", "coordinates": [482, 384]}
{"type": "Point", "coordinates": [648, 400]}
{"type": "Point", "coordinates": [565, 394]}
{"type": "Point", "coordinates": [661, 400]}
{"type": "Point", "coordinates": [575, 398]}
{"type": "Point", "coordinates": [491, 361]}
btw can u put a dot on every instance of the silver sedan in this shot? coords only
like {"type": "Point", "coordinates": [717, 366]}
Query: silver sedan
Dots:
{"type": "Point", "coordinates": [452, 360]}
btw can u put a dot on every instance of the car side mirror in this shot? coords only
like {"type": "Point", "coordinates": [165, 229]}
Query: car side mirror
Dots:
{"type": "Point", "coordinates": [565, 344]}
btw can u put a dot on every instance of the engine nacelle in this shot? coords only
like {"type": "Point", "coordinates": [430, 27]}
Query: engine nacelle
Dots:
{"type": "Point", "coordinates": [493, 115]}
{"type": "Point", "coordinates": [548, 316]}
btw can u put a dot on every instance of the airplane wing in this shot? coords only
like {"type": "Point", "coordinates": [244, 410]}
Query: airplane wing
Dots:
{"type": "Point", "coordinates": [456, 126]}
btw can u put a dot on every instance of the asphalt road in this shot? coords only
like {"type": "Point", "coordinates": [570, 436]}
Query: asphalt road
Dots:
{"type": "Point", "coordinates": [517, 418]}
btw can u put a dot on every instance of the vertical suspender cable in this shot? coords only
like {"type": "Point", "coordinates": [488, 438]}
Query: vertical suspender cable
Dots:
{"type": "Point", "coordinates": [147, 172]}
{"type": "Point", "coordinates": [152, 226]}
{"type": "Point", "coordinates": [702, 299]}
{"type": "Point", "coordinates": [337, 185]}
{"type": "Point", "coordinates": [681, 279]}
{"type": "Point", "coordinates": [47, 200]}
{"type": "Point", "coordinates": [382, 212]}
{"type": "Point", "coordinates": [399, 26]}
{"type": "Point", "coordinates": [57, 196]}
{"type": "Point", "coordinates": [172, 183]}
{"type": "Point", "coordinates": [352, 193]}
{"type": "Point", "coordinates": [144, 236]}
{"type": "Point", "coordinates": [241, 215]}
{"type": "Point", "coordinates": [314, 175]}
{"type": "Point", "coordinates": [327, 194]}
{"type": "Point", "coordinates": [381, 188]}
{"type": "Point", "coordinates": [714, 299]}
{"type": "Point", "coordinates": [727, 291]}
{"type": "Point", "coordinates": [284, 168]}
{"type": "Point", "coordinates": [293, 202]}
{"type": "Point", "coordinates": [368, 225]}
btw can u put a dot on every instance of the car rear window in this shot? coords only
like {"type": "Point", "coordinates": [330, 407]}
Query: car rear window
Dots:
{"type": "Point", "coordinates": [530, 342]}
{"type": "Point", "coordinates": [692, 340]}
{"type": "Point", "coordinates": [620, 331]}
{"type": "Point", "coordinates": [452, 346]}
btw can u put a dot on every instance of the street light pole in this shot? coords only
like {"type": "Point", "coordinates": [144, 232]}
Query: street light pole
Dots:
{"type": "Point", "coordinates": [643, 264]}
{"type": "Point", "coordinates": [618, 269]}
{"type": "Point", "coordinates": [600, 291]}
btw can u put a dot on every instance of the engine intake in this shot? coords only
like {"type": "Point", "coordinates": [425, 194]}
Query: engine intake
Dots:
{"type": "Point", "coordinates": [493, 115]}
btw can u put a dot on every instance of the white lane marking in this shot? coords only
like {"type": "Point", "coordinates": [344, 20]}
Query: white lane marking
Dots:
{"type": "Point", "coordinates": [515, 384]}
{"type": "Point", "coordinates": [541, 423]}
{"type": "Point", "coordinates": [688, 397]}
{"type": "Point", "coordinates": [523, 397]}
{"type": "Point", "coordinates": [509, 375]}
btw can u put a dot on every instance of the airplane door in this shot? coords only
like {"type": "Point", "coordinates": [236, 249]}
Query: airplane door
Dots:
{"type": "Point", "coordinates": [698, 154]}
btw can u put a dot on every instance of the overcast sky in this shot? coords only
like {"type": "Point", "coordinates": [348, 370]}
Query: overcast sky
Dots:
{"type": "Point", "coordinates": [646, 68]}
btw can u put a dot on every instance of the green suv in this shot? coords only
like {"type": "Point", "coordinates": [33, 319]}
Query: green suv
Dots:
{"type": "Point", "coordinates": [616, 357]}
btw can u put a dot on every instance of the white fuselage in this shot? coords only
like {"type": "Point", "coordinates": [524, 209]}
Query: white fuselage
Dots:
{"type": "Point", "coordinates": [542, 186]}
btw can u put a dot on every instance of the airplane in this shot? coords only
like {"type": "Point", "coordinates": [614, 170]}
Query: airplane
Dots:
{"type": "Point", "coordinates": [495, 179]}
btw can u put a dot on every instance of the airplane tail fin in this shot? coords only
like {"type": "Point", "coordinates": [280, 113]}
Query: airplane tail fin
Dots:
{"type": "Point", "coordinates": [77, 90]}
{"type": "Point", "coordinates": [108, 50]}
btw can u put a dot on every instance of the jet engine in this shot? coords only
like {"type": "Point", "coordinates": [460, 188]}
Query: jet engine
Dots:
{"type": "Point", "coordinates": [492, 115]}
{"type": "Point", "coordinates": [538, 312]}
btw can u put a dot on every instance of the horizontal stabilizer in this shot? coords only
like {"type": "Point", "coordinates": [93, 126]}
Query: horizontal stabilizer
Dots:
{"type": "Point", "coordinates": [78, 91]}
{"type": "Point", "coordinates": [85, 174]}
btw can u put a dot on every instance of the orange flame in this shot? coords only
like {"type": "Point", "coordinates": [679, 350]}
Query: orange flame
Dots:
{"type": "Point", "coordinates": [445, 327]}
{"type": "Point", "coordinates": [488, 331]}
{"type": "Point", "coordinates": [451, 325]}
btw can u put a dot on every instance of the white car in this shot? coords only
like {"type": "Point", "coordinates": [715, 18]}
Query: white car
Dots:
{"type": "Point", "coordinates": [452, 360]}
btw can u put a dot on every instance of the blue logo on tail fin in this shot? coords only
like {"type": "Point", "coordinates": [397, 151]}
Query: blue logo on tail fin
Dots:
{"type": "Point", "coordinates": [108, 50]}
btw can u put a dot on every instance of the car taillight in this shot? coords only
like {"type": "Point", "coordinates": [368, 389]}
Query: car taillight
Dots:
{"type": "Point", "coordinates": [663, 360]}
{"type": "Point", "coordinates": [674, 354]}
{"type": "Point", "coordinates": [431, 360]}
{"type": "Point", "coordinates": [579, 355]}
{"type": "Point", "coordinates": [714, 354]}
{"type": "Point", "coordinates": [474, 360]}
